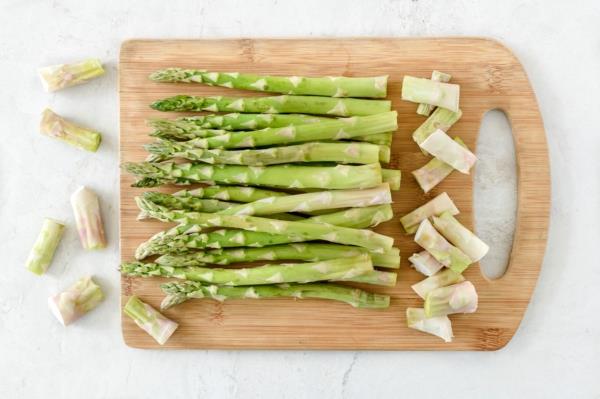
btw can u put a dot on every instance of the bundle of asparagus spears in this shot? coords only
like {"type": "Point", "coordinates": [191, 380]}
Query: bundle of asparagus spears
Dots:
{"type": "Point", "coordinates": [289, 178]}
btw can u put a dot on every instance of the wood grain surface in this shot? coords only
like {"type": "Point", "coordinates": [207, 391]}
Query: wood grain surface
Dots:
{"type": "Point", "coordinates": [490, 77]}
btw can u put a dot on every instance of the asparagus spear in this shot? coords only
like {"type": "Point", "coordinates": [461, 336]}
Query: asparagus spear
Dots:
{"type": "Point", "coordinates": [440, 204]}
{"type": "Point", "coordinates": [392, 177]}
{"type": "Point", "coordinates": [290, 176]}
{"type": "Point", "coordinates": [359, 153]}
{"type": "Point", "coordinates": [178, 292]}
{"type": "Point", "coordinates": [45, 245]}
{"type": "Point", "coordinates": [53, 125]}
{"type": "Point", "coordinates": [312, 252]}
{"type": "Point", "coordinates": [150, 320]}
{"type": "Point", "coordinates": [274, 105]}
{"type": "Point", "coordinates": [441, 146]}
{"type": "Point", "coordinates": [230, 193]}
{"type": "Point", "coordinates": [378, 138]}
{"type": "Point", "coordinates": [460, 236]}
{"type": "Point", "coordinates": [457, 298]}
{"type": "Point", "coordinates": [437, 76]}
{"type": "Point", "coordinates": [433, 172]}
{"type": "Point", "coordinates": [427, 91]}
{"type": "Point", "coordinates": [441, 118]}
{"type": "Point", "coordinates": [73, 303]}
{"type": "Point", "coordinates": [444, 252]}
{"type": "Point", "coordinates": [375, 277]}
{"type": "Point", "coordinates": [297, 230]}
{"type": "Point", "coordinates": [333, 269]}
{"type": "Point", "coordinates": [56, 77]}
{"type": "Point", "coordinates": [442, 279]}
{"type": "Point", "coordinates": [187, 202]}
{"type": "Point", "coordinates": [330, 86]}
{"type": "Point", "coordinates": [439, 326]}
{"type": "Point", "coordinates": [183, 238]}
{"type": "Point", "coordinates": [168, 132]}
{"type": "Point", "coordinates": [87, 216]}
{"type": "Point", "coordinates": [425, 263]}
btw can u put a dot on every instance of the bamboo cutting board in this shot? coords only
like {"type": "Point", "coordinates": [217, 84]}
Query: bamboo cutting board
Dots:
{"type": "Point", "coordinates": [490, 77]}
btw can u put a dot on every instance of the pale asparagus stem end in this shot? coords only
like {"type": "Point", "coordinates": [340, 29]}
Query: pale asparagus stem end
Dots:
{"type": "Point", "coordinates": [88, 219]}
{"type": "Point", "coordinates": [56, 77]}
{"type": "Point", "coordinates": [457, 298]}
{"type": "Point", "coordinates": [44, 247]}
{"type": "Point", "coordinates": [76, 301]}
{"type": "Point", "coordinates": [150, 320]}
{"type": "Point", "coordinates": [55, 126]}
{"type": "Point", "coordinates": [438, 326]}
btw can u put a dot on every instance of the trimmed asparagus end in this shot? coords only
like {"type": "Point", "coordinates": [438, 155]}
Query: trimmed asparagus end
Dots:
{"type": "Point", "coordinates": [437, 76]}
{"type": "Point", "coordinates": [457, 298]}
{"type": "Point", "coordinates": [45, 245]}
{"type": "Point", "coordinates": [384, 153]}
{"type": "Point", "coordinates": [441, 118]}
{"type": "Point", "coordinates": [460, 236]}
{"type": "Point", "coordinates": [434, 172]}
{"type": "Point", "coordinates": [150, 320]}
{"type": "Point", "coordinates": [441, 146]}
{"type": "Point", "coordinates": [438, 205]}
{"type": "Point", "coordinates": [392, 177]}
{"type": "Point", "coordinates": [56, 77]}
{"type": "Point", "coordinates": [176, 75]}
{"type": "Point", "coordinates": [87, 216]}
{"type": "Point", "coordinates": [73, 303]}
{"type": "Point", "coordinates": [53, 125]}
{"type": "Point", "coordinates": [442, 279]}
{"type": "Point", "coordinates": [438, 326]}
{"type": "Point", "coordinates": [424, 263]}
{"type": "Point", "coordinates": [444, 252]}
{"type": "Point", "coordinates": [427, 91]}
{"type": "Point", "coordinates": [390, 258]}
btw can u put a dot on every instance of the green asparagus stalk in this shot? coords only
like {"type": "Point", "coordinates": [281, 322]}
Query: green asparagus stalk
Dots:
{"type": "Point", "coordinates": [425, 263]}
{"type": "Point", "coordinates": [187, 202]}
{"type": "Point", "coordinates": [274, 105]}
{"type": "Point", "coordinates": [45, 245]}
{"type": "Point", "coordinates": [181, 239]}
{"type": "Point", "coordinates": [310, 252]}
{"type": "Point", "coordinates": [441, 146]}
{"type": "Point", "coordinates": [439, 326]}
{"type": "Point", "coordinates": [150, 320]}
{"type": "Point", "coordinates": [167, 132]}
{"type": "Point", "coordinates": [457, 298]}
{"type": "Point", "coordinates": [460, 236]}
{"type": "Point", "coordinates": [392, 177]}
{"type": "Point", "coordinates": [358, 153]}
{"type": "Point", "coordinates": [427, 91]}
{"type": "Point", "coordinates": [433, 172]}
{"type": "Point", "coordinates": [441, 118]}
{"type": "Point", "coordinates": [56, 77]}
{"type": "Point", "coordinates": [440, 204]}
{"type": "Point", "coordinates": [444, 252]}
{"type": "Point", "coordinates": [378, 138]}
{"type": "Point", "coordinates": [288, 176]}
{"type": "Point", "coordinates": [53, 125]}
{"type": "Point", "coordinates": [442, 279]}
{"type": "Point", "coordinates": [436, 76]}
{"type": "Point", "coordinates": [73, 303]}
{"type": "Point", "coordinates": [89, 221]}
{"type": "Point", "coordinates": [307, 230]}
{"type": "Point", "coordinates": [333, 269]}
{"type": "Point", "coordinates": [230, 193]}
{"type": "Point", "coordinates": [330, 86]}
{"type": "Point", "coordinates": [178, 292]}
{"type": "Point", "coordinates": [375, 277]}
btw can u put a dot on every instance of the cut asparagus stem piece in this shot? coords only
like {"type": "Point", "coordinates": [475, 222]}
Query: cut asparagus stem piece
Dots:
{"type": "Point", "coordinates": [288, 176]}
{"type": "Point", "coordinates": [56, 77]}
{"type": "Point", "coordinates": [330, 86]}
{"type": "Point", "coordinates": [45, 245]}
{"type": "Point", "coordinates": [441, 118]}
{"type": "Point", "coordinates": [76, 301]}
{"type": "Point", "coordinates": [418, 90]}
{"type": "Point", "coordinates": [301, 230]}
{"type": "Point", "coordinates": [392, 177]}
{"type": "Point", "coordinates": [456, 298]}
{"type": "Point", "coordinates": [385, 153]}
{"type": "Point", "coordinates": [311, 252]}
{"type": "Point", "coordinates": [55, 126]}
{"type": "Point", "coordinates": [333, 269]}
{"type": "Point", "coordinates": [439, 326]}
{"type": "Point", "coordinates": [440, 204]}
{"type": "Point", "coordinates": [444, 252]}
{"type": "Point", "coordinates": [274, 105]}
{"type": "Point", "coordinates": [233, 121]}
{"type": "Point", "coordinates": [425, 263]}
{"type": "Point", "coordinates": [150, 320]}
{"type": "Point", "coordinates": [349, 152]}
{"type": "Point", "coordinates": [182, 239]}
{"type": "Point", "coordinates": [442, 279]}
{"type": "Point", "coordinates": [230, 193]}
{"type": "Point", "coordinates": [436, 76]}
{"type": "Point", "coordinates": [378, 138]}
{"type": "Point", "coordinates": [314, 201]}
{"type": "Point", "coordinates": [87, 216]}
{"type": "Point", "coordinates": [433, 172]}
{"type": "Point", "coordinates": [460, 236]}
{"type": "Point", "coordinates": [375, 277]}
{"type": "Point", "coordinates": [441, 146]}
{"type": "Point", "coordinates": [178, 292]}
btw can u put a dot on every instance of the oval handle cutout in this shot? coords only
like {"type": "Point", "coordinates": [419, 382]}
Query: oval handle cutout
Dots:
{"type": "Point", "coordinates": [495, 192]}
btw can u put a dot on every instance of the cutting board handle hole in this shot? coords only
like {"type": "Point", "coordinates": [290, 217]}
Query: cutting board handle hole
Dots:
{"type": "Point", "coordinates": [495, 192]}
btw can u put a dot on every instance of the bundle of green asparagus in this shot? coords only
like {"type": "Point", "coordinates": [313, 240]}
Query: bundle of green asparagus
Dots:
{"type": "Point", "coordinates": [321, 188]}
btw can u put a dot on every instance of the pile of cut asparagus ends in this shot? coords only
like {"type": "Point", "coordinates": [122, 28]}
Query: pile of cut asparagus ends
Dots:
{"type": "Point", "coordinates": [293, 181]}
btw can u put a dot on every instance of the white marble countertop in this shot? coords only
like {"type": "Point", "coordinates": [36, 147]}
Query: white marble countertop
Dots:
{"type": "Point", "coordinates": [556, 351]}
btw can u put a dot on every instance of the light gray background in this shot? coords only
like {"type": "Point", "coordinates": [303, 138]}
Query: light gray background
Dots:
{"type": "Point", "coordinates": [556, 350]}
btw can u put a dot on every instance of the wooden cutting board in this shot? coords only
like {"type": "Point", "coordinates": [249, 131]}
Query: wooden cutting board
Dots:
{"type": "Point", "coordinates": [490, 77]}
